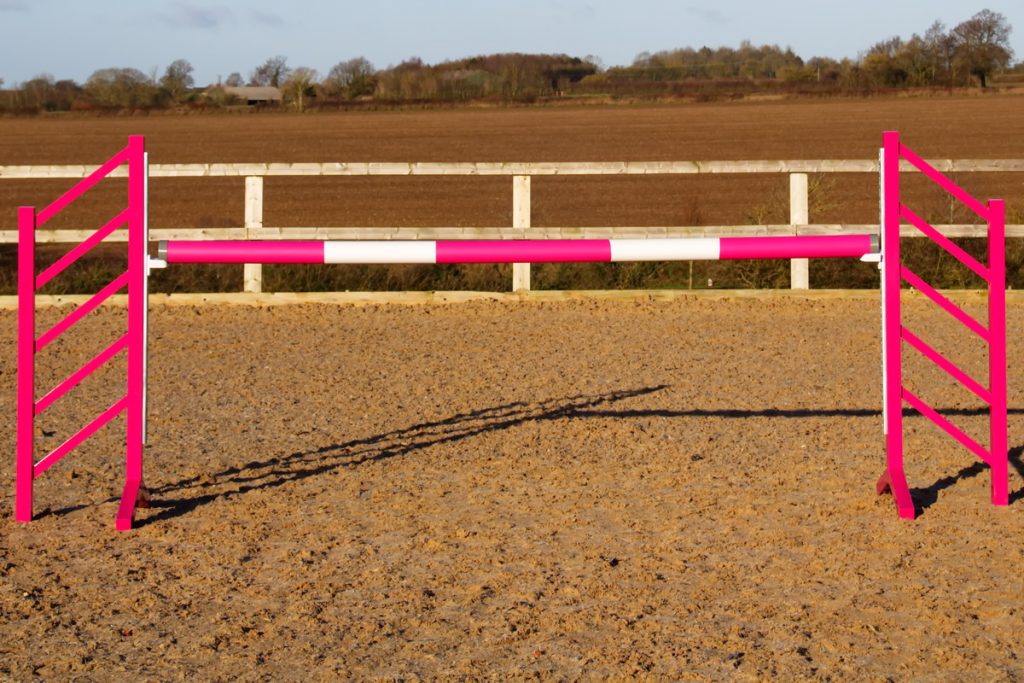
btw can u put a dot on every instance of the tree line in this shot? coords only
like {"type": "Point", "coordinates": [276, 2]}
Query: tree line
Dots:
{"type": "Point", "coordinates": [511, 77]}
{"type": "Point", "coordinates": [968, 54]}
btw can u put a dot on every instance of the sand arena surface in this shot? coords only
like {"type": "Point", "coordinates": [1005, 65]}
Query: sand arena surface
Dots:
{"type": "Point", "coordinates": [574, 490]}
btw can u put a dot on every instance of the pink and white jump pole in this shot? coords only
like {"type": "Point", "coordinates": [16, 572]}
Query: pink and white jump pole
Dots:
{"type": "Point", "coordinates": [519, 251]}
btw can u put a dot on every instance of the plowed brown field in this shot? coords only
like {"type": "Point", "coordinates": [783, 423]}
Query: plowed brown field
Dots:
{"type": "Point", "coordinates": [943, 127]}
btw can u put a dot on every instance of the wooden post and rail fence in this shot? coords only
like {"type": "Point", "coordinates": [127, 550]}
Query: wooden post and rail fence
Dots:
{"type": "Point", "coordinates": [521, 228]}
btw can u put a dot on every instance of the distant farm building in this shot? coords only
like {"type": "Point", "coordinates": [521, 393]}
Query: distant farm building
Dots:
{"type": "Point", "coordinates": [253, 95]}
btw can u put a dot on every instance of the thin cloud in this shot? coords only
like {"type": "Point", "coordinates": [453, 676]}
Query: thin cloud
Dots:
{"type": "Point", "coordinates": [187, 15]}
{"type": "Point", "coordinates": [13, 6]}
{"type": "Point", "coordinates": [575, 10]}
{"type": "Point", "coordinates": [585, 11]}
{"type": "Point", "coordinates": [710, 15]}
{"type": "Point", "coordinates": [266, 19]}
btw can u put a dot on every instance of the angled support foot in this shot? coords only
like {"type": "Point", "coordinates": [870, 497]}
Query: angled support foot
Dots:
{"type": "Point", "coordinates": [900, 493]}
{"type": "Point", "coordinates": [135, 495]}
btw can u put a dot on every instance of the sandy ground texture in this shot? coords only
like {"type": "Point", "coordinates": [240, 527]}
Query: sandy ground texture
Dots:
{"type": "Point", "coordinates": [581, 490]}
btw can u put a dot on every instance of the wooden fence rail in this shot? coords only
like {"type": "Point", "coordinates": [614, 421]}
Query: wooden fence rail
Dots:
{"type": "Point", "coordinates": [521, 173]}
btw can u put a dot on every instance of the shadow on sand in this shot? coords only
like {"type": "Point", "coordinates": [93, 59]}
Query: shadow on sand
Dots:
{"type": "Point", "coordinates": [183, 496]}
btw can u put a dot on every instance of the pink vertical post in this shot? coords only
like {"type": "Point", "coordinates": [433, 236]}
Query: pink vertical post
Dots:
{"type": "Point", "coordinates": [134, 491]}
{"type": "Point", "coordinates": [894, 478]}
{"type": "Point", "coordinates": [26, 362]}
{"type": "Point", "coordinates": [997, 350]}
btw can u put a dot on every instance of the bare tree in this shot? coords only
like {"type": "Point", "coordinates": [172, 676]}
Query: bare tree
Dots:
{"type": "Point", "coordinates": [272, 72]}
{"type": "Point", "coordinates": [352, 78]}
{"type": "Point", "coordinates": [125, 88]}
{"type": "Point", "coordinates": [299, 86]}
{"type": "Point", "coordinates": [942, 47]}
{"type": "Point", "coordinates": [982, 44]}
{"type": "Point", "coordinates": [234, 80]}
{"type": "Point", "coordinates": [35, 93]}
{"type": "Point", "coordinates": [177, 79]}
{"type": "Point", "coordinates": [596, 62]}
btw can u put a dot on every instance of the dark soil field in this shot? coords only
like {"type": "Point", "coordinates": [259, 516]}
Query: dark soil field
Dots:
{"type": "Point", "coordinates": [963, 127]}
{"type": "Point", "coordinates": [583, 490]}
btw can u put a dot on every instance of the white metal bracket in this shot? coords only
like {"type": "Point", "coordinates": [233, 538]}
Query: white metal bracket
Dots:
{"type": "Point", "coordinates": [154, 264]}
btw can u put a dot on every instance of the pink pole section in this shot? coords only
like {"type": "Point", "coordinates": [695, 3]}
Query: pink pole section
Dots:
{"type": "Point", "coordinates": [26, 363]}
{"type": "Point", "coordinates": [136, 341]}
{"type": "Point", "coordinates": [894, 479]}
{"type": "Point", "coordinates": [997, 350]}
{"type": "Point", "coordinates": [817, 246]}
{"type": "Point", "coordinates": [524, 251]}
{"type": "Point", "coordinates": [234, 251]}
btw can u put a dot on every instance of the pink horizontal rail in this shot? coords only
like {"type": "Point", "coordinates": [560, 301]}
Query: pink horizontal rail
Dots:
{"type": "Point", "coordinates": [947, 305]}
{"type": "Point", "coordinates": [82, 434]}
{"type": "Point", "coordinates": [934, 356]}
{"type": "Point", "coordinates": [81, 187]}
{"type": "Point", "coordinates": [947, 426]}
{"type": "Point", "coordinates": [946, 243]}
{"type": "Point", "coordinates": [82, 311]}
{"type": "Point", "coordinates": [83, 372]}
{"type": "Point", "coordinates": [519, 251]}
{"type": "Point", "coordinates": [787, 247]}
{"type": "Point", "coordinates": [945, 183]}
{"type": "Point", "coordinates": [81, 249]}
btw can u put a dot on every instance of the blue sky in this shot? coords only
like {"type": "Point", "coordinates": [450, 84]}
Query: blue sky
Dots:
{"type": "Point", "coordinates": [73, 38]}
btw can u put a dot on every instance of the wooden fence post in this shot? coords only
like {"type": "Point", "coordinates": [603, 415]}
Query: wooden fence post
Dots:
{"type": "Point", "coordinates": [799, 268]}
{"type": "Point", "coordinates": [520, 219]}
{"type": "Point", "coordinates": [252, 273]}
